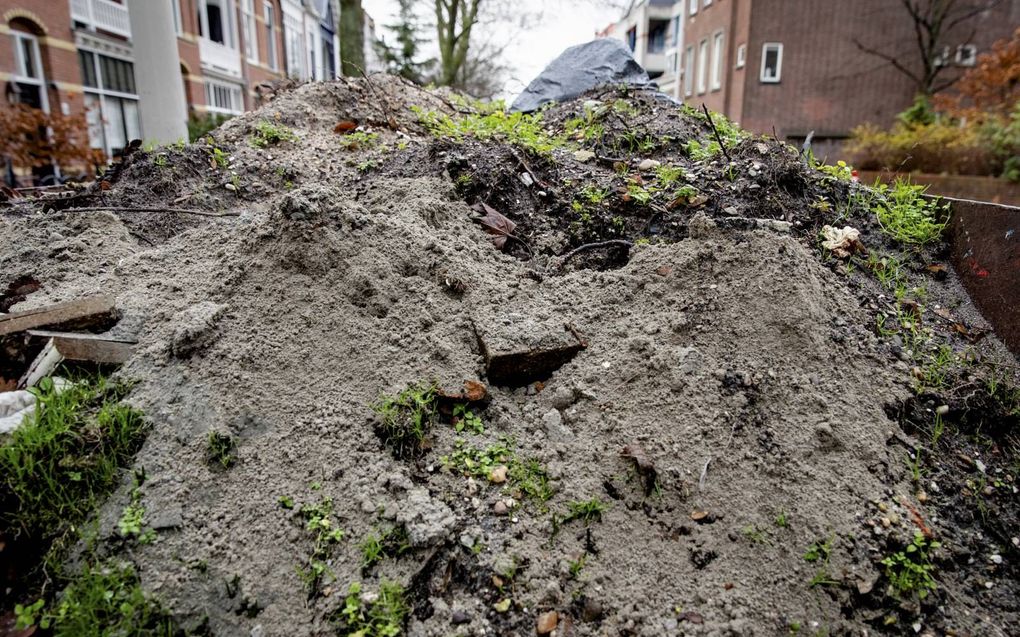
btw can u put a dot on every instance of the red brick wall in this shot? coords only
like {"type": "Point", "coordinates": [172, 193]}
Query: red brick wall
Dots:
{"type": "Point", "coordinates": [828, 85]}
{"type": "Point", "coordinates": [51, 23]}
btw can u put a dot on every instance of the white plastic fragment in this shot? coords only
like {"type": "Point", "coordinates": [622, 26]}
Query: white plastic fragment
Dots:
{"type": "Point", "coordinates": [842, 242]}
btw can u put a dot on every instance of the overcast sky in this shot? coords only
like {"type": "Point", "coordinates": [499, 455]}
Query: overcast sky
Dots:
{"type": "Point", "coordinates": [564, 23]}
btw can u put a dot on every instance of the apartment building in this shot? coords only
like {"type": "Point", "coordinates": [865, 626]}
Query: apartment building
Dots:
{"type": "Point", "coordinates": [653, 31]}
{"type": "Point", "coordinates": [794, 67]}
{"type": "Point", "coordinates": [78, 56]}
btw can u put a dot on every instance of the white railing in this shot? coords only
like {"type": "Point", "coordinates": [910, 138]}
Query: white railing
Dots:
{"type": "Point", "coordinates": [102, 14]}
{"type": "Point", "coordinates": [219, 58]}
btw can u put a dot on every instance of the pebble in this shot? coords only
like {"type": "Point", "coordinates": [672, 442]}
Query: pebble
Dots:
{"type": "Point", "coordinates": [922, 497]}
{"type": "Point", "coordinates": [730, 210]}
{"type": "Point", "coordinates": [996, 559]}
{"type": "Point", "coordinates": [498, 475]}
{"type": "Point", "coordinates": [500, 508]}
{"type": "Point", "coordinates": [460, 617]}
{"type": "Point", "coordinates": [649, 164]}
{"type": "Point", "coordinates": [547, 622]}
{"type": "Point", "coordinates": [592, 610]}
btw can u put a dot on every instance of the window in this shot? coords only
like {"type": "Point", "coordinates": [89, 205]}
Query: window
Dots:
{"type": "Point", "coordinates": [689, 71]}
{"type": "Point", "coordinates": [294, 46]}
{"type": "Point", "coordinates": [717, 60]}
{"type": "Point", "coordinates": [771, 62]}
{"type": "Point", "coordinates": [223, 98]}
{"type": "Point", "coordinates": [702, 67]}
{"type": "Point", "coordinates": [692, 7]}
{"type": "Point", "coordinates": [708, 3]}
{"type": "Point", "coordinates": [966, 55]}
{"type": "Point", "coordinates": [110, 100]}
{"type": "Point", "coordinates": [676, 31]}
{"type": "Point", "coordinates": [632, 39]}
{"type": "Point", "coordinates": [214, 18]}
{"type": "Point", "coordinates": [942, 59]}
{"type": "Point", "coordinates": [251, 43]}
{"type": "Point", "coordinates": [741, 56]}
{"type": "Point", "coordinates": [270, 17]}
{"type": "Point", "coordinates": [215, 22]}
{"type": "Point", "coordinates": [28, 78]}
{"type": "Point", "coordinates": [657, 36]}
{"type": "Point", "coordinates": [175, 9]}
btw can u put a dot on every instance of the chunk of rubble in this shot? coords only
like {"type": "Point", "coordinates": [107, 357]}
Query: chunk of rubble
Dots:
{"type": "Point", "coordinates": [519, 350]}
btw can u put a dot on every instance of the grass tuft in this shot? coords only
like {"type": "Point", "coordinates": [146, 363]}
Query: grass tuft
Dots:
{"type": "Point", "coordinates": [384, 616]}
{"type": "Point", "coordinates": [407, 418]}
{"type": "Point", "coordinates": [267, 134]}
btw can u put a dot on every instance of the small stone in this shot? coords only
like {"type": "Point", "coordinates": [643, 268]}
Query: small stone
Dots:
{"type": "Point", "coordinates": [502, 606]}
{"type": "Point", "coordinates": [996, 559]}
{"type": "Point", "coordinates": [886, 522]}
{"type": "Point", "coordinates": [583, 155]}
{"type": "Point", "coordinates": [460, 617]}
{"type": "Point", "coordinates": [592, 610]}
{"type": "Point", "coordinates": [730, 210]}
{"type": "Point", "coordinates": [649, 164]}
{"type": "Point", "coordinates": [894, 519]}
{"type": "Point", "coordinates": [989, 584]}
{"type": "Point", "coordinates": [498, 475]}
{"type": "Point", "coordinates": [526, 179]}
{"type": "Point", "coordinates": [547, 622]}
{"type": "Point", "coordinates": [500, 508]}
{"type": "Point", "coordinates": [230, 187]}
{"type": "Point", "coordinates": [922, 497]}
{"type": "Point", "coordinates": [882, 506]}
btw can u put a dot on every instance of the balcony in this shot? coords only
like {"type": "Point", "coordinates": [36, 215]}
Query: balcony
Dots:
{"type": "Point", "coordinates": [102, 15]}
{"type": "Point", "coordinates": [219, 58]}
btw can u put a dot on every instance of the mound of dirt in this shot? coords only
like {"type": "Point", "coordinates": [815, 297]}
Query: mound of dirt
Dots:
{"type": "Point", "coordinates": [777, 443]}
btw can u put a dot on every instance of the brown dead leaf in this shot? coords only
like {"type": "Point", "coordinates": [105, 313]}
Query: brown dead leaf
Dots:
{"type": "Point", "coordinates": [495, 224]}
{"type": "Point", "coordinates": [472, 392]}
{"type": "Point", "coordinates": [944, 313]}
{"type": "Point", "coordinates": [912, 308]}
{"type": "Point", "coordinates": [344, 126]}
{"type": "Point", "coordinates": [104, 185]}
{"type": "Point", "coordinates": [938, 271]}
{"type": "Point", "coordinates": [643, 463]}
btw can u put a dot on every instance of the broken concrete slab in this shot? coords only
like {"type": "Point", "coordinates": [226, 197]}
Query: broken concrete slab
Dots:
{"type": "Point", "coordinates": [519, 350]}
{"type": "Point", "coordinates": [92, 311]}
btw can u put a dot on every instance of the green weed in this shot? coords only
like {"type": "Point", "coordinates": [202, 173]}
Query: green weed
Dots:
{"type": "Point", "coordinates": [819, 553]}
{"type": "Point", "coordinates": [906, 216]}
{"type": "Point", "coordinates": [782, 519]}
{"type": "Point", "coordinates": [840, 172]}
{"type": "Point", "coordinates": [910, 571]}
{"type": "Point", "coordinates": [698, 151]}
{"type": "Point", "coordinates": [360, 140]}
{"type": "Point", "coordinates": [588, 511]}
{"type": "Point", "coordinates": [528, 476]}
{"type": "Point", "coordinates": [325, 533]}
{"type": "Point", "coordinates": [220, 450]}
{"type": "Point", "coordinates": [383, 617]}
{"type": "Point", "coordinates": [755, 535]}
{"type": "Point", "coordinates": [521, 129]}
{"type": "Point", "coordinates": [405, 419]}
{"type": "Point", "coordinates": [267, 134]}
{"type": "Point", "coordinates": [391, 543]}
{"type": "Point", "coordinates": [667, 175]}
{"type": "Point", "coordinates": [101, 601]}
{"type": "Point", "coordinates": [464, 418]}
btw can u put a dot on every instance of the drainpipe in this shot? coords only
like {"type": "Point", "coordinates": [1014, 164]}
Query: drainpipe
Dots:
{"type": "Point", "coordinates": [162, 107]}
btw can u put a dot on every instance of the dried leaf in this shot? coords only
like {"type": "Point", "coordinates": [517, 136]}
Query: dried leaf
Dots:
{"type": "Point", "coordinates": [496, 224]}
{"type": "Point", "coordinates": [944, 313]}
{"type": "Point", "coordinates": [345, 126]}
{"type": "Point", "coordinates": [104, 185]}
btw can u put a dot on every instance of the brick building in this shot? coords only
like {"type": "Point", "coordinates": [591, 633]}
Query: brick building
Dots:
{"type": "Point", "coordinates": [77, 56]}
{"type": "Point", "coordinates": [793, 66]}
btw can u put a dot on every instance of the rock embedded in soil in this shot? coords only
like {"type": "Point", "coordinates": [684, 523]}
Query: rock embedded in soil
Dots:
{"type": "Point", "coordinates": [547, 622]}
{"type": "Point", "coordinates": [519, 349]}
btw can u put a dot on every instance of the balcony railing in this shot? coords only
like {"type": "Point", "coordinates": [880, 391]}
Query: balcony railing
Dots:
{"type": "Point", "coordinates": [219, 58]}
{"type": "Point", "coordinates": [102, 14]}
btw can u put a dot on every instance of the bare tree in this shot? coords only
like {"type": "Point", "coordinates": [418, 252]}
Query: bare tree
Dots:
{"type": "Point", "coordinates": [934, 22]}
{"type": "Point", "coordinates": [352, 37]}
{"type": "Point", "coordinates": [455, 19]}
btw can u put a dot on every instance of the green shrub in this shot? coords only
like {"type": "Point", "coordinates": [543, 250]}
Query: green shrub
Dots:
{"type": "Point", "coordinates": [906, 216]}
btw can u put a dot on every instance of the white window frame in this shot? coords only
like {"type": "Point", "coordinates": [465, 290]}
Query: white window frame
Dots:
{"type": "Point", "coordinates": [102, 94]}
{"type": "Point", "coordinates": [966, 59]}
{"type": "Point", "coordinates": [702, 64]}
{"type": "Point", "coordinates": [692, 7]}
{"type": "Point", "coordinates": [20, 75]}
{"type": "Point", "coordinates": [236, 97]}
{"type": "Point", "coordinates": [228, 21]}
{"type": "Point", "coordinates": [741, 56]}
{"type": "Point", "coordinates": [765, 47]}
{"type": "Point", "coordinates": [718, 51]}
{"type": "Point", "coordinates": [249, 30]}
{"type": "Point", "coordinates": [269, 14]}
{"type": "Point", "coordinates": [175, 9]}
{"type": "Point", "coordinates": [689, 71]}
{"type": "Point", "coordinates": [708, 3]}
